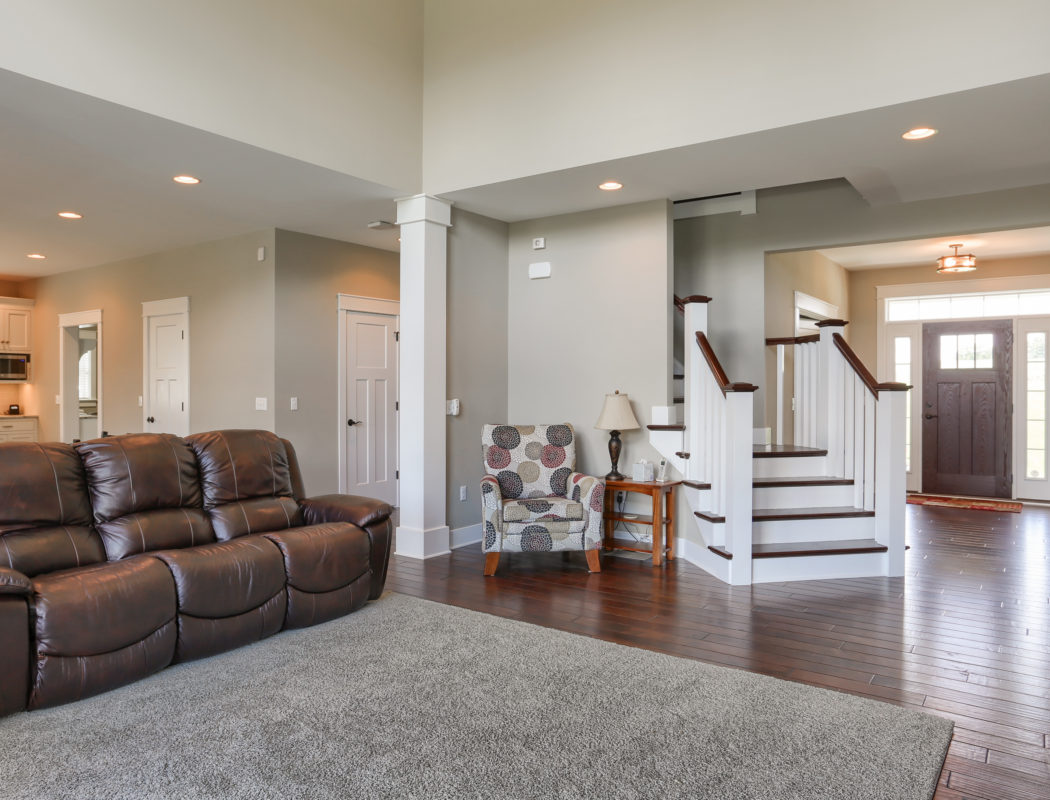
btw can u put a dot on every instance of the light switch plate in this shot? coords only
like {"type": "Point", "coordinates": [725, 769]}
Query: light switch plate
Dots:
{"type": "Point", "coordinates": [260, 403]}
{"type": "Point", "coordinates": [294, 404]}
{"type": "Point", "coordinates": [452, 407]}
{"type": "Point", "coordinates": [539, 243]}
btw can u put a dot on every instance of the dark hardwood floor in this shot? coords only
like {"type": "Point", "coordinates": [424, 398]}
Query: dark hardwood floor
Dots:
{"type": "Point", "coordinates": [966, 634]}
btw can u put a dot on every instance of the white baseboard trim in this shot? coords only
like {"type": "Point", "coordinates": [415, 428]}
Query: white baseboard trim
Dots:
{"type": "Point", "coordinates": [468, 534]}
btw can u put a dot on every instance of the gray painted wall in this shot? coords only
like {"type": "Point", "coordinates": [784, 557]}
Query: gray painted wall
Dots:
{"type": "Point", "coordinates": [231, 332]}
{"type": "Point", "coordinates": [724, 256]}
{"type": "Point", "coordinates": [477, 352]}
{"type": "Point", "coordinates": [310, 272]}
{"type": "Point", "coordinates": [601, 322]}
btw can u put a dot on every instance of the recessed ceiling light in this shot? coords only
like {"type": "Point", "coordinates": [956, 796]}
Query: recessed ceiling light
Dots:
{"type": "Point", "coordinates": [610, 186]}
{"type": "Point", "coordinates": [918, 133]}
{"type": "Point", "coordinates": [70, 215]}
{"type": "Point", "coordinates": [189, 180]}
{"type": "Point", "coordinates": [35, 255]}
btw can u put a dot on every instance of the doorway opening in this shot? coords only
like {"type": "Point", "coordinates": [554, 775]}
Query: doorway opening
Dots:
{"type": "Point", "coordinates": [80, 376]}
{"type": "Point", "coordinates": [368, 397]}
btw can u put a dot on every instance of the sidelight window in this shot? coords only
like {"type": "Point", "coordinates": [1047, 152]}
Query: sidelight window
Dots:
{"type": "Point", "coordinates": [1035, 416]}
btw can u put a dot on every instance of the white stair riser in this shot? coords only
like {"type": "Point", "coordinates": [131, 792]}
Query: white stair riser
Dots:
{"type": "Point", "coordinates": [812, 530]}
{"type": "Point", "coordinates": [711, 533]}
{"type": "Point", "coordinates": [801, 496]}
{"type": "Point", "coordinates": [789, 467]}
{"type": "Point", "coordinates": [805, 568]}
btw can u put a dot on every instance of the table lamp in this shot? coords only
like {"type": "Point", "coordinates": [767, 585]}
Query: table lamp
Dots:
{"type": "Point", "coordinates": [616, 416]}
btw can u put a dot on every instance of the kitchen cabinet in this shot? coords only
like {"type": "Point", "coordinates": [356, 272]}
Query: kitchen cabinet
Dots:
{"type": "Point", "coordinates": [16, 325]}
{"type": "Point", "coordinates": [18, 429]}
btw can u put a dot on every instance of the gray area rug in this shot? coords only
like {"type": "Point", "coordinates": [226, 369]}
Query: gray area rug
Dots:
{"type": "Point", "coordinates": [411, 699]}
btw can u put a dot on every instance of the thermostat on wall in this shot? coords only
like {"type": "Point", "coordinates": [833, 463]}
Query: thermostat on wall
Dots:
{"type": "Point", "coordinates": [541, 269]}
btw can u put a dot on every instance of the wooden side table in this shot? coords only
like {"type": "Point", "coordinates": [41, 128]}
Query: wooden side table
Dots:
{"type": "Point", "coordinates": [662, 519]}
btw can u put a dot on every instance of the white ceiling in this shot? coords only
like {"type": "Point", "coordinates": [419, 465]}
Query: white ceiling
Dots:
{"type": "Point", "coordinates": [996, 244]}
{"type": "Point", "coordinates": [991, 138]}
{"type": "Point", "coordinates": [66, 151]}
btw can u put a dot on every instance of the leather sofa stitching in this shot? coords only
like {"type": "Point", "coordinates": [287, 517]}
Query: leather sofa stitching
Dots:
{"type": "Point", "coordinates": [58, 489]}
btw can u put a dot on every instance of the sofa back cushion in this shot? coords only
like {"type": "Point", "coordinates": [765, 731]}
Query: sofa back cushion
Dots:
{"type": "Point", "coordinates": [246, 480]}
{"type": "Point", "coordinates": [45, 515]}
{"type": "Point", "coordinates": [529, 460]}
{"type": "Point", "coordinates": [145, 492]}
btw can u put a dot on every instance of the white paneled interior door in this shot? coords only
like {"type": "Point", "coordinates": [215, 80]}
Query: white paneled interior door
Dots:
{"type": "Point", "coordinates": [371, 405]}
{"type": "Point", "coordinates": [167, 365]}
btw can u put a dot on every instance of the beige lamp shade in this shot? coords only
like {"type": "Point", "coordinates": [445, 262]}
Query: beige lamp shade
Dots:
{"type": "Point", "coordinates": [616, 414]}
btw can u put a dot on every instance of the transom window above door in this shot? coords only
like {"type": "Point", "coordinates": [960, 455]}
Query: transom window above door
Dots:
{"type": "Point", "coordinates": [967, 351]}
{"type": "Point", "coordinates": [968, 306]}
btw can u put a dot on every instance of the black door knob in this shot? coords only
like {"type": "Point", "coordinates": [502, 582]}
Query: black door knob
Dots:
{"type": "Point", "coordinates": [150, 419]}
{"type": "Point", "coordinates": [930, 416]}
{"type": "Point", "coordinates": [352, 422]}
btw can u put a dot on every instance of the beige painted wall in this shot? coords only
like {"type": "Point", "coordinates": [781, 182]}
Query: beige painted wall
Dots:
{"type": "Point", "coordinates": [477, 352]}
{"type": "Point", "coordinates": [336, 83]}
{"type": "Point", "coordinates": [310, 272]}
{"type": "Point", "coordinates": [863, 285]}
{"type": "Point", "coordinates": [231, 332]}
{"type": "Point", "coordinates": [601, 322]}
{"type": "Point", "coordinates": [786, 273]}
{"type": "Point", "coordinates": [513, 89]}
{"type": "Point", "coordinates": [724, 255]}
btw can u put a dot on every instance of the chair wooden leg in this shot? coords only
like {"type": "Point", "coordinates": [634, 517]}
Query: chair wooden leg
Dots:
{"type": "Point", "coordinates": [593, 564]}
{"type": "Point", "coordinates": [491, 562]}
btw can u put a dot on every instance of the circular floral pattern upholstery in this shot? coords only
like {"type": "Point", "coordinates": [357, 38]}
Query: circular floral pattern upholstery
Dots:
{"type": "Point", "coordinates": [552, 456]}
{"type": "Point", "coordinates": [509, 484]}
{"type": "Point", "coordinates": [534, 450]}
{"type": "Point", "coordinates": [559, 435]}
{"type": "Point", "coordinates": [506, 436]}
{"type": "Point", "coordinates": [497, 457]}
{"type": "Point", "coordinates": [537, 506]}
{"type": "Point", "coordinates": [559, 481]}
{"type": "Point", "coordinates": [490, 535]}
{"type": "Point", "coordinates": [535, 538]}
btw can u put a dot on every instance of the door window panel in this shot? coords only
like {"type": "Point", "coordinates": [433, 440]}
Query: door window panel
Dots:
{"type": "Point", "coordinates": [967, 351]}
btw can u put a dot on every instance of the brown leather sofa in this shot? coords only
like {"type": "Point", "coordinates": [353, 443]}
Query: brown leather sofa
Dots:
{"type": "Point", "coordinates": [122, 555]}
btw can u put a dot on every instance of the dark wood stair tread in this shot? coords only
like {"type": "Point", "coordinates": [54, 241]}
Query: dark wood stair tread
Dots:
{"type": "Point", "coordinates": [816, 480]}
{"type": "Point", "coordinates": [678, 400]}
{"type": "Point", "coordinates": [682, 454]}
{"type": "Point", "coordinates": [795, 549]}
{"type": "Point", "coordinates": [666, 427]}
{"type": "Point", "coordinates": [820, 512]}
{"type": "Point", "coordinates": [709, 517]}
{"type": "Point", "coordinates": [679, 376]}
{"type": "Point", "coordinates": [696, 485]}
{"type": "Point", "coordinates": [785, 451]}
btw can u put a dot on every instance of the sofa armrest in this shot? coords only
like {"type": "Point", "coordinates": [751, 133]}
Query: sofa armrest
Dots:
{"type": "Point", "coordinates": [14, 663]}
{"type": "Point", "coordinates": [589, 491]}
{"type": "Point", "coordinates": [14, 582]}
{"type": "Point", "coordinates": [364, 512]}
{"type": "Point", "coordinates": [491, 515]}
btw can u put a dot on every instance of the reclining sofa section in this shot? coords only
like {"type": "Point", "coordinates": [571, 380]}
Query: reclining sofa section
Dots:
{"type": "Point", "coordinates": [122, 555]}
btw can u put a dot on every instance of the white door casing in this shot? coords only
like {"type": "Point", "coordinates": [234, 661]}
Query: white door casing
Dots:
{"type": "Point", "coordinates": [368, 379]}
{"type": "Point", "coordinates": [69, 405]}
{"type": "Point", "coordinates": [166, 366]}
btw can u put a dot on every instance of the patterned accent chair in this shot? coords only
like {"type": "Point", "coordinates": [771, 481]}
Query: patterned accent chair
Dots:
{"type": "Point", "coordinates": [532, 499]}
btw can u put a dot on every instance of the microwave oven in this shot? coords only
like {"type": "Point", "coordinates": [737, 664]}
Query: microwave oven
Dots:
{"type": "Point", "coordinates": [14, 367]}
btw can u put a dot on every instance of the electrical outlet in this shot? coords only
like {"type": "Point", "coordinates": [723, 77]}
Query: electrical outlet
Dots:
{"type": "Point", "coordinates": [620, 497]}
{"type": "Point", "coordinates": [462, 493]}
{"type": "Point", "coordinates": [260, 404]}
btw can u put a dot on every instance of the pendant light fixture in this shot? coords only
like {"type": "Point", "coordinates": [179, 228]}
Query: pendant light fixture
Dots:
{"type": "Point", "coordinates": [956, 262]}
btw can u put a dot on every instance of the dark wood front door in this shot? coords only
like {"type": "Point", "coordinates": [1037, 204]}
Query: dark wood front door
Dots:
{"type": "Point", "coordinates": [966, 407]}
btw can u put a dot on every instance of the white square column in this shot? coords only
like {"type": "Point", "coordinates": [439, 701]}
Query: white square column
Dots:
{"type": "Point", "coordinates": [424, 221]}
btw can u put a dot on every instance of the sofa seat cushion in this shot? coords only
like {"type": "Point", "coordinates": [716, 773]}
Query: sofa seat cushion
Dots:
{"type": "Point", "coordinates": [229, 594]}
{"type": "Point", "coordinates": [33, 551]}
{"type": "Point", "coordinates": [328, 568]}
{"type": "Point", "coordinates": [553, 509]}
{"type": "Point", "coordinates": [101, 626]}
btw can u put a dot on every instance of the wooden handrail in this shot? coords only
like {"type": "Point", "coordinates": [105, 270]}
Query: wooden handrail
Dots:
{"type": "Point", "coordinates": [832, 323]}
{"type": "Point", "coordinates": [863, 373]}
{"type": "Point", "coordinates": [716, 368]}
{"type": "Point", "coordinates": [680, 302]}
{"type": "Point", "coordinates": [813, 337]}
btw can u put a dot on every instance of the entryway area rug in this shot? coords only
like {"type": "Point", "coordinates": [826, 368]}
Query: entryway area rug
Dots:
{"type": "Point", "coordinates": [412, 699]}
{"type": "Point", "coordinates": [975, 503]}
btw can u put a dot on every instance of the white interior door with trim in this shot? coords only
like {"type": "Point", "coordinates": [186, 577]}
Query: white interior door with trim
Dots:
{"type": "Point", "coordinates": [166, 367]}
{"type": "Point", "coordinates": [80, 376]}
{"type": "Point", "coordinates": [1031, 408]}
{"type": "Point", "coordinates": [369, 425]}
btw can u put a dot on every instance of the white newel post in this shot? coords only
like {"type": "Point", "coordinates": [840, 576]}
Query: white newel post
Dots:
{"type": "Point", "coordinates": [830, 398]}
{"type": "Point", "coordinates": [738, 477]}
{"type": "Point", "coordinates": [890, 477]}
{"type": "Point", "coordinates": [424, 222]}
{"type": "Point", "coordinates": [694, 411]}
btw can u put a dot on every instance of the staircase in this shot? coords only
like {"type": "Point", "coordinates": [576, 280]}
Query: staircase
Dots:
{"type": "Point", "coordinates": [828, 505]}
